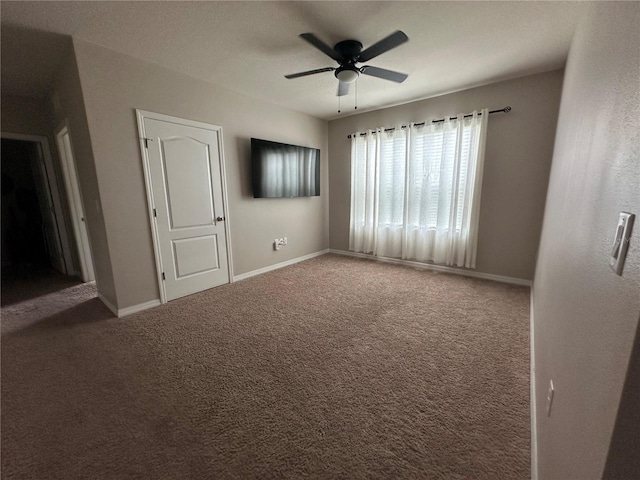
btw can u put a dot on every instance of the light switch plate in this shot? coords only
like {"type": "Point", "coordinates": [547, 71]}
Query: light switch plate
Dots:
{"type": "Point", "coordinates": [621, 241]}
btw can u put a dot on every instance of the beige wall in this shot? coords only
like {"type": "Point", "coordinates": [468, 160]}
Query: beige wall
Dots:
{"type": "Point", "coordinates": [67, 104]}
{"type": "Point", "coordinates": [114, 85]}
{"type": "Point", "coordinates": [517, 162]}
{"type": "Point", "coordinates": [29, 116]}
{"type": "Point", "coordinates": [586, 317]}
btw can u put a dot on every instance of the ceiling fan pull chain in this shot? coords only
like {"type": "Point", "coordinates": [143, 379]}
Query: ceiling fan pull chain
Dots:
{"type": "Point", "coordinates": [356, 100]}
{"type": "Point", "coordinates": [338, 104]}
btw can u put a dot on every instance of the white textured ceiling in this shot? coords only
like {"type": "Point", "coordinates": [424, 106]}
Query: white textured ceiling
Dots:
{"type": "Point", "coordinates": [249, 46]}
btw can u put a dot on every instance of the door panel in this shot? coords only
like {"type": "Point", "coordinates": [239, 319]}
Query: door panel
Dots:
{"type": "Point", "coordinates": [186, 188]}
{"type": "Point", "coordinates": [195, 255]}
{"type": "Point", "coordinates": [188, 182]}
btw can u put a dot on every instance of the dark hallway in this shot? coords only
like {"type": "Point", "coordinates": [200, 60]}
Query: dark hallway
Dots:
{"type": "Point", "coordinates": [27, 246]}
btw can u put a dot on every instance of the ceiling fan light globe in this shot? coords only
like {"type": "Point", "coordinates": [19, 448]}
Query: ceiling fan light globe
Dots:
{"type": "Point", "coordinates": [347, 75]}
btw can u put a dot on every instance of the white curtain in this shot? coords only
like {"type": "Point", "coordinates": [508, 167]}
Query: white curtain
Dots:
{"type": "Point", "coordinates": [415, 191]}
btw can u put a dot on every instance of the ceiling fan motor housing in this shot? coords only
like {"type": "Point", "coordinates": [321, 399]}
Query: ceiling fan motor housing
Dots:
{"type": "Point", "coordinates": [349, 50]}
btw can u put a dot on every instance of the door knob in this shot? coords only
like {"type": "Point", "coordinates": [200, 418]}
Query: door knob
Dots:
{"type": "Point", "coordinates": [220, 219]}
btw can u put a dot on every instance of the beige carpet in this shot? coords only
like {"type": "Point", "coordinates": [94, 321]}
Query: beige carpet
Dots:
{"type": "Point", "coordinates": [334, 368]}
{"type": "Point", "coordinates": [17, 287]}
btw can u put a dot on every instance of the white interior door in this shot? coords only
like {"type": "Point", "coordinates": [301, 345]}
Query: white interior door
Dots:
{"type": "Point", "coordinates": [75, 204]}
{"type": "Point", "coordinates": [183, 165]}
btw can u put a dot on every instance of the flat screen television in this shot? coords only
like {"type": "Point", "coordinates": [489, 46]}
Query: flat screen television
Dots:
{"type": "Point", "coordinates": [280, 170]}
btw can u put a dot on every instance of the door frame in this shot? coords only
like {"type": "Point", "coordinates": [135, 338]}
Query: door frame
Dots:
{"type": "Point", "coordinates": [53, 192]}
{"type": "Point", "coordinates": [141, 115]}
{"type": "Point", "coordinates": [76, 204]}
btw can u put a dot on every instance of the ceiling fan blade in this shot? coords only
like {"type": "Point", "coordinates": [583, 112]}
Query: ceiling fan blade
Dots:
{"type": "Point", "coordinates": [384, 73]}
{"type": "Point", "coordinates": [343, 89]}
{"type": "Point", "coordinates": [387, 43]}
{"type": "Point", "coordinates": [309, 72]}
{"type": "Point", "coordinates": [323, 47]}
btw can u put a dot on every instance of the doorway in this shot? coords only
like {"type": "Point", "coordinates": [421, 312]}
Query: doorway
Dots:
{"type": "Point", "coordinates": [34, 243]}
{"type": "Point", "coordinates": [26, 247]}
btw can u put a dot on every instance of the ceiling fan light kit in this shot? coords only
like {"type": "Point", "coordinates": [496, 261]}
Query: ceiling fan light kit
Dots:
{"type": "Point", "coordinates": [348, 53]}
{"type": "Point", "coordinates": [347, 75]}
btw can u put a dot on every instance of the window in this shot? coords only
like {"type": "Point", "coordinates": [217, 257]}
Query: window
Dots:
{"type": "Point", "coordinates": [415, 191]}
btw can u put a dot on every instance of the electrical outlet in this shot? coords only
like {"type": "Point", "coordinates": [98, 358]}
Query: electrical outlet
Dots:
{"type": "Point", "coordinates": [279, 242]}
{"type": "Point", "coordinates": [550, 397]}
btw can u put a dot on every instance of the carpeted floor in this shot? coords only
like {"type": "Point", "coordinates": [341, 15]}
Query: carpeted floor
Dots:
{"type": "Point", "coordinates": [335, 367]}
{"type": "Point", "coordinates": [16, 287]}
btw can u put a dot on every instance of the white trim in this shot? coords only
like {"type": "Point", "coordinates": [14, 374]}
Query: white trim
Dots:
{"type": "Point", "coordinates": [225, 204]}
{"type": "Point", "coordinates": [437, 268]}
{"type": "Point", "coordinates": [123, 312]}
{"type": "Point", "coordinates": [532, 383]}
{"type": "Point", "coordinates": [54, 194]}
{"type": "Point", "coordinates": [253, 273]}
{"type": "Point", "coordinates": [177, 120]}
{"type": "Point", "coordinates": [140, 116]}
{"type": "Point", "coordinates": [109, 305]}
{"type": "Point", "coordinates": [75, 202]}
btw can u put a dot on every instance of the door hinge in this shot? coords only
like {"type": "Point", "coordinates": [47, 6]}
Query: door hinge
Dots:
{"type": "Point", "coordinates": [146, 142]}
{"type": "Point", "coordinates": [163, 277]}
{"type": "Point", "coordinates": [155, 213]}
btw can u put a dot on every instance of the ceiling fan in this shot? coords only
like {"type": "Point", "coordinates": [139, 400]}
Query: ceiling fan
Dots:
{"type": "Point", "coordinates": [348, 53]}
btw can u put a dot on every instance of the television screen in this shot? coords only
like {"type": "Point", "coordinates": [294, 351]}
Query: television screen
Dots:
{"type": "Point", "coordinates": [280, 170]}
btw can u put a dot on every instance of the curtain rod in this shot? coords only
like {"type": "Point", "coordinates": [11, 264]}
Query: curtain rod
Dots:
{"type": "Point", "coordinates": [506, 109]}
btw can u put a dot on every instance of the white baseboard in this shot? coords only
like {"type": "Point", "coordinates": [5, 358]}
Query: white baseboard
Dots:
{"type": "Point", "coordinates": [109, 305]}
{"type": "Point", "coordinates": [532, 383]}
{"type": "Point", "coordinates": [253, 273]}
{"type": "Point", "coordinates": [123, 312]}
{"type": "Point", "coordinates": [437, 268]}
